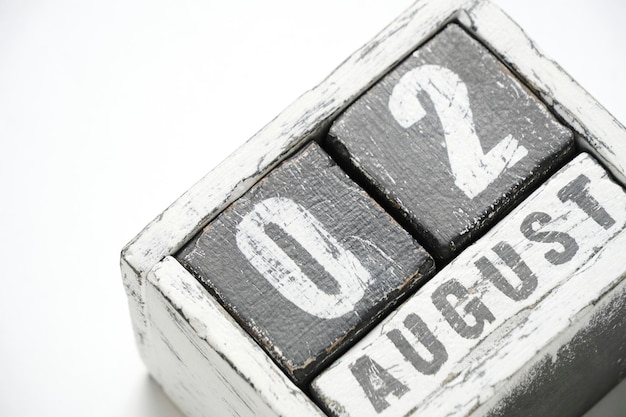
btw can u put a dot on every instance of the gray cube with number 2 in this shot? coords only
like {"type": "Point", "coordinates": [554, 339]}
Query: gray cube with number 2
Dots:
{"type": "Point", "coordinates": [450, 141]}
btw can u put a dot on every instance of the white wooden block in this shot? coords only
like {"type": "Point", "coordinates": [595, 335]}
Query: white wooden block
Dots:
{"type": "Point", "coordinates": [495, 332]}
{"type": "Point", "coordinates": [198, 349]}
{"type": "Point", "coordinates": [221, 370]}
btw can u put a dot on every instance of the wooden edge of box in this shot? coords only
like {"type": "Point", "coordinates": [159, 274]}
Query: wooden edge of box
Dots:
{"type": "Point", "coordinates": [203, 359]}
{"type": "Point", "coordinates": [312, 113]}
{"type": "Point", "coordinates": [539, 349]}
{"type": "Point", "coordinates": [547, 360]}
{"type": "Point", "coordinates": [303, 120]}
{"type": "Point", "coordinates": [308, 117]}
{"type": "Point", "coordinates": [602, 135]}
{"type": "Point", "coordinates": [573, 358]}
{"type": "Point", "coordinates": [599, 132]}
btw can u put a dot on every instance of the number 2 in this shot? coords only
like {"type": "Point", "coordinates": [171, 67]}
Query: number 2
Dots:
{"type": "Point", "coordinates": [472, 169]}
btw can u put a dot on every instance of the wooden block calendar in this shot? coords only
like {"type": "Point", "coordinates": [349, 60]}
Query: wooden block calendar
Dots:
{"type": "Point", "coordinates": [297, 277]}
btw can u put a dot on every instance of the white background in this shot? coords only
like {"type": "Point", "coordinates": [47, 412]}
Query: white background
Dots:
{"type": "Point", "coordinates": [109, 110]}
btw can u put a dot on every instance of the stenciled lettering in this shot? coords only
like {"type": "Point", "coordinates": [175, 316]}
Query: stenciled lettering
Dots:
{"type": "Point", "coordinates": [577, 191]}
{"type": "Point", "coordinates": [284, 274]}
{"type": "Point", "coordinates": [570, 247]}
{"type": "Point", "coordinates": [472, 169]}
{"type": "Point", "coordinates": [438, 351]}
{"type": "Point", "coordinates": [474, 308]}
{"type": "Point", "coordinates": [528, 280]}
{"type": "Point", "coordinates": [376, 382]}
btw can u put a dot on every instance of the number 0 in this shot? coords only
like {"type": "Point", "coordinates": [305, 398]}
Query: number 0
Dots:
{"type": "Point", "coordinates": [284, 274]}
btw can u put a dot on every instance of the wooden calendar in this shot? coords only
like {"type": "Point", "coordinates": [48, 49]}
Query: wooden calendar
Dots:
{"type": "Point", "coordinates": [436, 229]}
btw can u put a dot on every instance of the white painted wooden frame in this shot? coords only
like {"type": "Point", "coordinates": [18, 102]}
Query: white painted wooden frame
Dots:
{"type": "Point", "coordinates": [201, 357]}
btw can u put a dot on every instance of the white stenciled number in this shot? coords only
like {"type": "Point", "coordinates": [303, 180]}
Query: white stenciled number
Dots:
{"type": "Point", "coordinates": [284, 274]}
{"type": "Point", "coordinates": [472, 169]}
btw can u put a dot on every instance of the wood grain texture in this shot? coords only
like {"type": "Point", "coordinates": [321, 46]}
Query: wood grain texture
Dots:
{"type": "Point", "coordinates": [306, 261]}
{"type": "Point", "coordinates": [450, 140]}
{"type": "Point", "coordinates": [309, 117]}
{"type": "Point", "coordinates": [588, 366]}
{"type": "Point", "coordinates": [599, 133]}
{"type": "Point", "coordinates": [508, 318]}
{"type": "Point", "coordinates": [313, 112]}
{"type": "Point", "coordinates": [205, 362]}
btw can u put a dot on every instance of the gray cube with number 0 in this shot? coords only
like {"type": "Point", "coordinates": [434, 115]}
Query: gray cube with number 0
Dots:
{"type": "Point", "coordinates": [306, 261]}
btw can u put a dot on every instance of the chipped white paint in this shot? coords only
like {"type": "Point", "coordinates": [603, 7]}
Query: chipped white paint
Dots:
{"type": "Point", "coordinates": [304, 120]}
{"type": "Point", "coordinates": [472, 169]}
{"type": "Point", "coordinates": [285, 275]}
{"type": "Point", "coordinates": [600, 133]}
{"type": "Point", "coordinates": [554, 262]}
{"type": "Point", "coordinates": [202, 358]}
{"type": "Point", "coordinates": [208, 364]}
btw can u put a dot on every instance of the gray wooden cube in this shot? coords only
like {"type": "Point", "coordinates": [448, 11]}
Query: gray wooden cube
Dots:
{"type": "Point", "coordinates": [450, 140]}
{"type": "Point", "coordinates": [306, 261]}
{"type": "Point", "coordinates": [205, 361]}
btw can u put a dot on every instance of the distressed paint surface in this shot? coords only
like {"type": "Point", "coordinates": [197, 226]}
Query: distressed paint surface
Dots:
{"type": "Point", "coordinates": [466, 338]}
{"type": "Point", "coordinates": [207, 364]}
{"type": "Point", "coordinates": [575, 377]}
{"type": "Point", "coordinates": [307, 118]}
{"type": "Point", "coordinates": [599, 132]}
{"type": "Point", "coordinates": [286, 275]}
{"type": "Point", "coordinates": [306, 261]}
{"type": "Point", "coordinates": [450, 140]}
